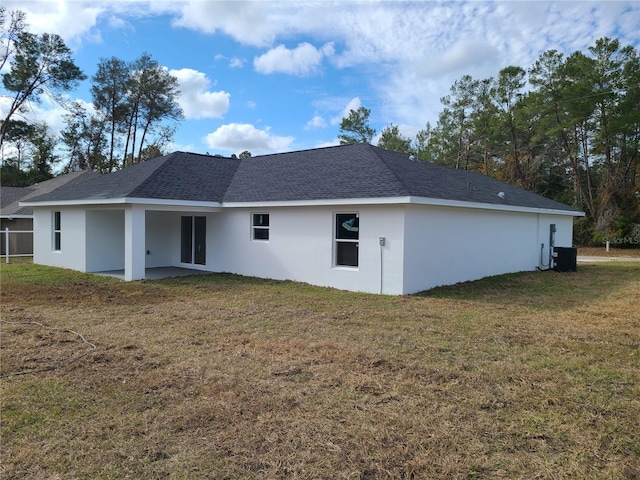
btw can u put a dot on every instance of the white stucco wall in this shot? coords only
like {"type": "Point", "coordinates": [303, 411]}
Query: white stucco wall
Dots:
{"type": "Point", "coordinates": [446, 245]}
{"type": "Point", "coordinates": [72, 253]}
{"type": "Point", "coordinates": [425, 246]}
{"type": "Point", "coordinates": [105, 240]}
{"type": "Point", "coordinates": [162, 239]}
{"type": "Point", "coordinates": [301, 247]}
{"type": "Point", "coordinates": [563, 236]}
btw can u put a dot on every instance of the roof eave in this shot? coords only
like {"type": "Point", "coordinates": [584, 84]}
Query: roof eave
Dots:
{"type": "Point", "coordinates": [403, 200]}
{"type": "Point", "coordinates": [123, 201]}
{"type": "Point", "coordinates": [329, 202]}
{"type": "Point", "coordinates": [492, 206]}
{"type": "Point", "coordinates": [70, 203]}
{"type": "Point", "coordinates": [11, 216]}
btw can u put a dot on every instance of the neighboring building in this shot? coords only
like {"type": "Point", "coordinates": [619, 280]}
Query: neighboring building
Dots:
{"type": "Point", "coordinates": [19, 243]}
{"type": "Point", "coordinates": [353, 217]}
{"type": "Point", "coordinates": [19, 218]}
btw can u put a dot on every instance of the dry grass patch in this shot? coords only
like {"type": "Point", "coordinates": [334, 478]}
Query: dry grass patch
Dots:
{"type": "Point", "coordinates": [531, 375]}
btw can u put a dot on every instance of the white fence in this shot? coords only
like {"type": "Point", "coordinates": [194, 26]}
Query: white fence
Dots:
{"type": "Point", "coordinates": [16, 243]}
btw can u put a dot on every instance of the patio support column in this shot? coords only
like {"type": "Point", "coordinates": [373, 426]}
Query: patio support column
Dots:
{"type": "Point", "coordinates": [134, 243]}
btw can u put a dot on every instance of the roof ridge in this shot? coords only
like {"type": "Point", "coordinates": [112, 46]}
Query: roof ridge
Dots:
{"type": "Point", "coordinates": [208, 155]}
{"type": "Point", "coordinates": [201, 177]}
{"type": "Point", "coordinates": [376, 151]}
{"type": "Point", "coordinates": [163, 161]}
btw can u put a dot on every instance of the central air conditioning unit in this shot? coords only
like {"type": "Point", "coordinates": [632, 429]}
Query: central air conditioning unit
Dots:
{"type": "Point", "coordinates": [565, 259]}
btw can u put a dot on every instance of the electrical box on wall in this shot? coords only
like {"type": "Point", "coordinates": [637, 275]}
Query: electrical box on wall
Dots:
{"type": "Point", "coordinates": [382, 241]}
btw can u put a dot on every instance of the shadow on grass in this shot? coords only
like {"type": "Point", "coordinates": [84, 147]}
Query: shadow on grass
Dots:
{"type": "Point", "coordinates": [540, 290]}
{"type": "Point", "coordinates": [543, 290]}
{"type": "Point", "coordinates": [546, 289]}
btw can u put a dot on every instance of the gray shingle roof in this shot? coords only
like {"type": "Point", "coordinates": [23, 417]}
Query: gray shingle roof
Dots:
{"type": "Point", "coordinates": [11, 196]}
{"type": "Point", "coordinates": [188, 176]}
{"type": "Point", "coordinates": [364, 171]}
{"type": "Point", "coordinates": [357, 171]}
{"type": "Point", "coordinates": [177, 176]}
{"type": "Point", "coordinates": [424, 179]}
{"type": "Point", "coordinates": [348, 171]}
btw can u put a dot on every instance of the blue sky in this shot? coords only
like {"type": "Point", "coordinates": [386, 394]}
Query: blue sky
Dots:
{"type": "Point", "coordinates": [274, 76]}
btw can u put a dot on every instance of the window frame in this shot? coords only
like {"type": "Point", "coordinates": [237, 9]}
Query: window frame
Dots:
{"type": "Point", "coordinates": [338, 241]}
{"type": "Point", "coordinates": [56, 230]}
{"type": "Point", "coordinates": [260, 229]}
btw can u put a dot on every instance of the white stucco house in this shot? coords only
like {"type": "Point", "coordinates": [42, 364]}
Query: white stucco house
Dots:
{"type": "Point", "coordinates": [353, 217]}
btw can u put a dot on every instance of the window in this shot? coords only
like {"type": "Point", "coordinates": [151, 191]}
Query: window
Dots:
{"type": "Point", "coordinates": [56, 231]}
{"type": "Point", "coordinates": [186, 250]}
{"type": "Point", "coordinates": [260, 225]}
{"type": "Point", "coordinates": [347, 236]}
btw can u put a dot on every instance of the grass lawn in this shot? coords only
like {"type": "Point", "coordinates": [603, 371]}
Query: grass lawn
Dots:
{"type": "Point", "coordinates": [525, 376]}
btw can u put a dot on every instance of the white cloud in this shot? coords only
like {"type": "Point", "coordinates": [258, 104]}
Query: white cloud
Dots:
{"type": "Point", "coordinates": [61, 17]}
{"type": "Point", "coordinates": [417, 49]}
{"type": "Point", "coordinates": [77, 21]}
{"type": "Point", "coordinates": [44, 112]}
{"type": "Point", "coordinates": [195, 98]}
{"type": "Point", "coordinates": [331, 143]}
{"type": "Point", "coordinates": [464, 55]}
{"type": "Point", "coordinates": [305, 59]}
{"type": "Point", "coordinates": [237, 137]}
{"type": "Point", "coordinates": [399, 57]}
{"type": "Point", "coordinates": [354, 104]}
{"type": "Point", "coordinates": [236, 62]}
{"type": "Point", "coordinates": [246, 22]}
{"type": "Point", "coordinates": [316, 122]}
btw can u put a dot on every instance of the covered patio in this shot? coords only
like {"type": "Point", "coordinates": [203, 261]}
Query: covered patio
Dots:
{"type": "Point", "coordinates": [142, 241]}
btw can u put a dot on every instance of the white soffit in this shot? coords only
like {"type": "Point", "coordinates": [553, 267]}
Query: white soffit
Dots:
{"type": "Point", "coordinates": [406, 200]}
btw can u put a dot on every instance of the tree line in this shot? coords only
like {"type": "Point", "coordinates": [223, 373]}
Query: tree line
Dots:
{"type": "Point", "coordinates": [133, 114]}
{"type": "Point", "coordinates": [566, 127]}
{"type": "Point", "coordinates": [132, 102]}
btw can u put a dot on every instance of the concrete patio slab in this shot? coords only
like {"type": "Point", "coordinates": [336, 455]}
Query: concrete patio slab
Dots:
{"type": "Point", "coordinates": [157, 273]}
